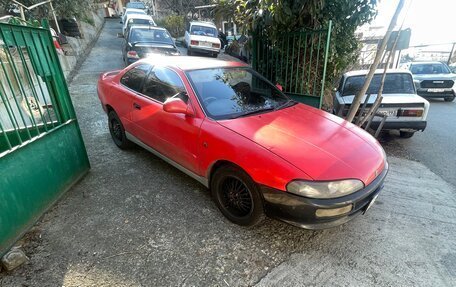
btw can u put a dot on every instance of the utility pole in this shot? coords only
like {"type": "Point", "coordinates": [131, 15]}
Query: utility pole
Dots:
{"type": "Point", "coordinates": [357, 100]}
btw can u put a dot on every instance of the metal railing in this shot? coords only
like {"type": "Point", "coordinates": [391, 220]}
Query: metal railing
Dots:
{"type": "Point", "coordinates": [296, 61]}
{"type": "Point", "coordinates": [29, 86]}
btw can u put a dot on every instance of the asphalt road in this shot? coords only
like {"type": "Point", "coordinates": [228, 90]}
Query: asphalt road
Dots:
{"type": "Point", "coordinates": [436, 146]}
{"type": "Point", "coordinates": [136, 221]}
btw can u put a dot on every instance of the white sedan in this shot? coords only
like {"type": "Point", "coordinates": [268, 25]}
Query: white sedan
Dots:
{"type": "Point", "coordinates": [405, 110]}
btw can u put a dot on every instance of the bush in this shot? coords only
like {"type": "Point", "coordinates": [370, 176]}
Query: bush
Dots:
{"type": "Point", "coordinates": [175, 25]}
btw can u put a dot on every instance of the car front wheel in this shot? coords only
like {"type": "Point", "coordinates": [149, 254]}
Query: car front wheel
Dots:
{"type": "Point", "coordinates": [237, 196]}
{"type": "Point", "coordinates": [449, 99]}
{"type": "Point", "coordinates": [117, 131]}
{"type": "Point", "coordinates": [406, 135]}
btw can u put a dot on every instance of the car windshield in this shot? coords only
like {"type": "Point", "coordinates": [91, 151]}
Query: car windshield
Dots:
{"type": "Point", "coordinates": [424, 69]}
{"type": "Point", "coordinates": [394, 84]}
{"type": "Point", "coordinates": [136, 5]}
{"type": "Point", "coordinates": [203, 31]}
{"type": "Point", "coordinates": [235, 92]}
{"type": "Point", "coordinates": [137, 12]}
{"type": "Point", "coordinates": [150, 35]}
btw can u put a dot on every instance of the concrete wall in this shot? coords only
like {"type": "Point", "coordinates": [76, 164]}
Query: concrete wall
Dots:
{"type": "Point", "coordinates": [76, 47]}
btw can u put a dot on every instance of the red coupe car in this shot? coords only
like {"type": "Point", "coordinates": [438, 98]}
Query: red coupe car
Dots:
{"type": "Point", "coordinates": [258, 151]}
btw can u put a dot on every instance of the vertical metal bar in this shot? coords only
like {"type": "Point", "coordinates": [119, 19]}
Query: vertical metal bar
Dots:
{"type": "Point", "coordinates": [293, 41]}
{"type": "Point", "coordinates": [30, 81]}
{"type": "Point", "coordinates": [304, 60]}
{"type": "Point", "coordinates": [328, 39]}
{"type": "Point", "coordinates": [316, 76]}
{"type": "Point", "coordinates": [281, 60]}
{"type": "Point", "coordinates": [310, 63]}
{"type": "Point", "coordinates": [19, 81]}
{"type": "Point", "coordinates": [5, 136]}
{"type": "Point", "coordinates": [30, 52]}
{"type": "Point", "coordinates": [298, 62]}
{"type": "Point", "coordinates": [286, 63]}
{"type": "Point", "coordinates": [52, 96]}
{"type": "Point", "coordinates": [8, 107]}
{"type": "Point", "coordinates": [254, 51]}
{"type": "Point", "coordinates": [10, 85]}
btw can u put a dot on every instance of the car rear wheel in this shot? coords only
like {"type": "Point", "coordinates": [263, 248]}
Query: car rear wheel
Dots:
{"type": "Point", "coordinates": [189, 52]}
{"type": "Point", "coordinates": [237, 196]}
{"type": "Point", "coordinates": [449, 99]}
{"type": "Point", "coordinates": [406, 135]}
{"type": "Point", "coordinates": [117, 131]}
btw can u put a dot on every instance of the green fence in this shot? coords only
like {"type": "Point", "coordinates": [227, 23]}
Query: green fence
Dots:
{"type": "Point", "coordinates": [41, 149]}
{"type": "Point", "coordinates": [296, 61]}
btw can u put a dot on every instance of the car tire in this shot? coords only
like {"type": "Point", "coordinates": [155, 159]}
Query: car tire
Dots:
{"type": "Point", "coordinates": [406, 135]}
{"type": "Point", "coordinates": [214, 55]}
{"type": "Point", "coordinates": [189, 52]}
{"type": "Point", "coordinates": [237, 196]}
{"type": "Point", "coordinates": [449, 99]}
{"type": "Point", "coordinates": [117, 131]}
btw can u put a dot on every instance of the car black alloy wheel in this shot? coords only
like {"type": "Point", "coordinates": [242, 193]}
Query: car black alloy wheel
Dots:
{"type": "Point", "coordinates": [117, 131]}
{"type": "Point", "coordinates": [237, 196]}
{"type": "Point", "coordinates": [406, 135]}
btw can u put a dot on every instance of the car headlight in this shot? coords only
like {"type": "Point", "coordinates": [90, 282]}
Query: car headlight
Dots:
{"type": "Point", "coordinates": [324, 189]}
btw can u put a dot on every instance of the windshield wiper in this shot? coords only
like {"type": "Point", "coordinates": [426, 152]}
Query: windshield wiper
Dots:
{"type": "Point", "coordinates": [286, 105]}
{"type": "Point", "coordinates": [259, 111]}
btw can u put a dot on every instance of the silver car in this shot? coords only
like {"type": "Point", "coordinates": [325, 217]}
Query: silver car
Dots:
{"type": "Point", "coordinates": [405, 110]}
{"type": "Point", "coordinates": [433, 80]}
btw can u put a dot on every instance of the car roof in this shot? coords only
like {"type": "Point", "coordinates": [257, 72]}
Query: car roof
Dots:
{"type": "Point", "coordinates": [186, 63]}
{"type": "Point", "coordinates": [378, 71]}
{"type": "Point", "coordinates": [139, 16]}
{"type": "Point", "coordinates": [205, 24]}
{"type": "Point", "coordinates": [135, 10]}
{"type": "Point", "coordinates": [427, 62]}
{"type": "Point", "coordinates": [148, 27]}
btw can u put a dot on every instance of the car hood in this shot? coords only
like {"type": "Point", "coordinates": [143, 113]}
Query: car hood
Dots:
{"type": "Point", "coordinates": [323, 146]}
{"type": "Point", "coordinates": [422, 77]}
{"type": "Point", "coordinates": [389, 99]}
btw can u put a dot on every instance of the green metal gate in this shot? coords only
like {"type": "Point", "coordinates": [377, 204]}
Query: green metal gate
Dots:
{"type": "Point", "coordinates": [296, 61]}
{"type": "Point", "coordinates": [41, 149]}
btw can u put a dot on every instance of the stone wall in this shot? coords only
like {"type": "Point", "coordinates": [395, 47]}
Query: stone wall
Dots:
{"type": "Point", "coordinates": [77, 47]}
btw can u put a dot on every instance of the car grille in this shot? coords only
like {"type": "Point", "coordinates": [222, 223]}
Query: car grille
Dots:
{"type": "Point", "coordinates": [437, 83]}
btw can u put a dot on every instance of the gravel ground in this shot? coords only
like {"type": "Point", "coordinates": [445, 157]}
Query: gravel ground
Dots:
{"type": "Point", "coordinates": [136, 221]}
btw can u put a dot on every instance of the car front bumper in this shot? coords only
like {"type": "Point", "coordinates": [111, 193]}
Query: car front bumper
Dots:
{"type": "Point", "coordinates": [422, 92]}
{"type": "Point", "coordinates": [400, 125]}
{"type": "Point", "coordinates": [302, 211]}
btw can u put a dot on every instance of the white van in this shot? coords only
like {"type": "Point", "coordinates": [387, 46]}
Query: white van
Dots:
{"type": "Point", "coordinates": [202, 37]}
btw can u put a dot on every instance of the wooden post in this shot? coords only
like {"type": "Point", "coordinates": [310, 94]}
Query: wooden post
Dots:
{"type": "Point", "coordinates": [357, 100]}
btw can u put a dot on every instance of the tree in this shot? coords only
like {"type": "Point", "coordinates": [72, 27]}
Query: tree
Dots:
{"type": "Point", "coordinates": [276, 17]}
{"type": "Point", "coordinates": [63, 8]}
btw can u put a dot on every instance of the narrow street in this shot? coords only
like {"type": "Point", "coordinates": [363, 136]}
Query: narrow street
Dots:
{"type": "Point", "coordinates": [436, 146]}
{"type": "Point", "coordinates": [134, 220]}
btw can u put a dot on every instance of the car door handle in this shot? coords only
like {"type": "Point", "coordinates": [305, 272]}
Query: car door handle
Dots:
{"type": "Point", "coordinates": [136, 106]}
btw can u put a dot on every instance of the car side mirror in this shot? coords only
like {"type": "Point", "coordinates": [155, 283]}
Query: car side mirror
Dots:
{"type": "Point", "coordinates": [279, 86]}
{"type": "Point", "coordinates": [177, 106]}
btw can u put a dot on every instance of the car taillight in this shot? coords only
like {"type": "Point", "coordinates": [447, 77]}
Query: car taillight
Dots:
{"type": "Point", "coordinates": [409, 113]}
{"type": "Point", "coordinates": [132, 54]}
{"type": "Point", "coordinates": [194, 43]}
{"type": "Point", "coordinates": [215, 45]}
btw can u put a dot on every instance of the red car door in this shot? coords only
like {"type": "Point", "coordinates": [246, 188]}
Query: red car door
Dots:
{"type": "Point", "coordinates": [173, 135]}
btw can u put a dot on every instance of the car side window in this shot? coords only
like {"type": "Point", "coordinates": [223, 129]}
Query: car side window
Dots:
{"type": "Point", "coordinates": [341, 83]}
{"type": "Point", "coordinates": [135, 76]}
{"type": "Point", "coordinates": [163, 83]}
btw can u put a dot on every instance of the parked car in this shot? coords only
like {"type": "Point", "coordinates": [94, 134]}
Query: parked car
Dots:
{"type": "Point", "coordinates": [137, 19]}
{"type": "Point", "coordinates": [433, 80]}
{"type": "Point", "coordinates": [147, 41]}
{"type": "Point", "coordinates": [131, 11]}
{"type": "Point", "coordinates": [405, 110]}
{"type": "Point", "coordinates": [236, 133]}
{"type": "Point", "coordinates": [202, 37]}
{"type": "Point", "coordinates": [138, 5]}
